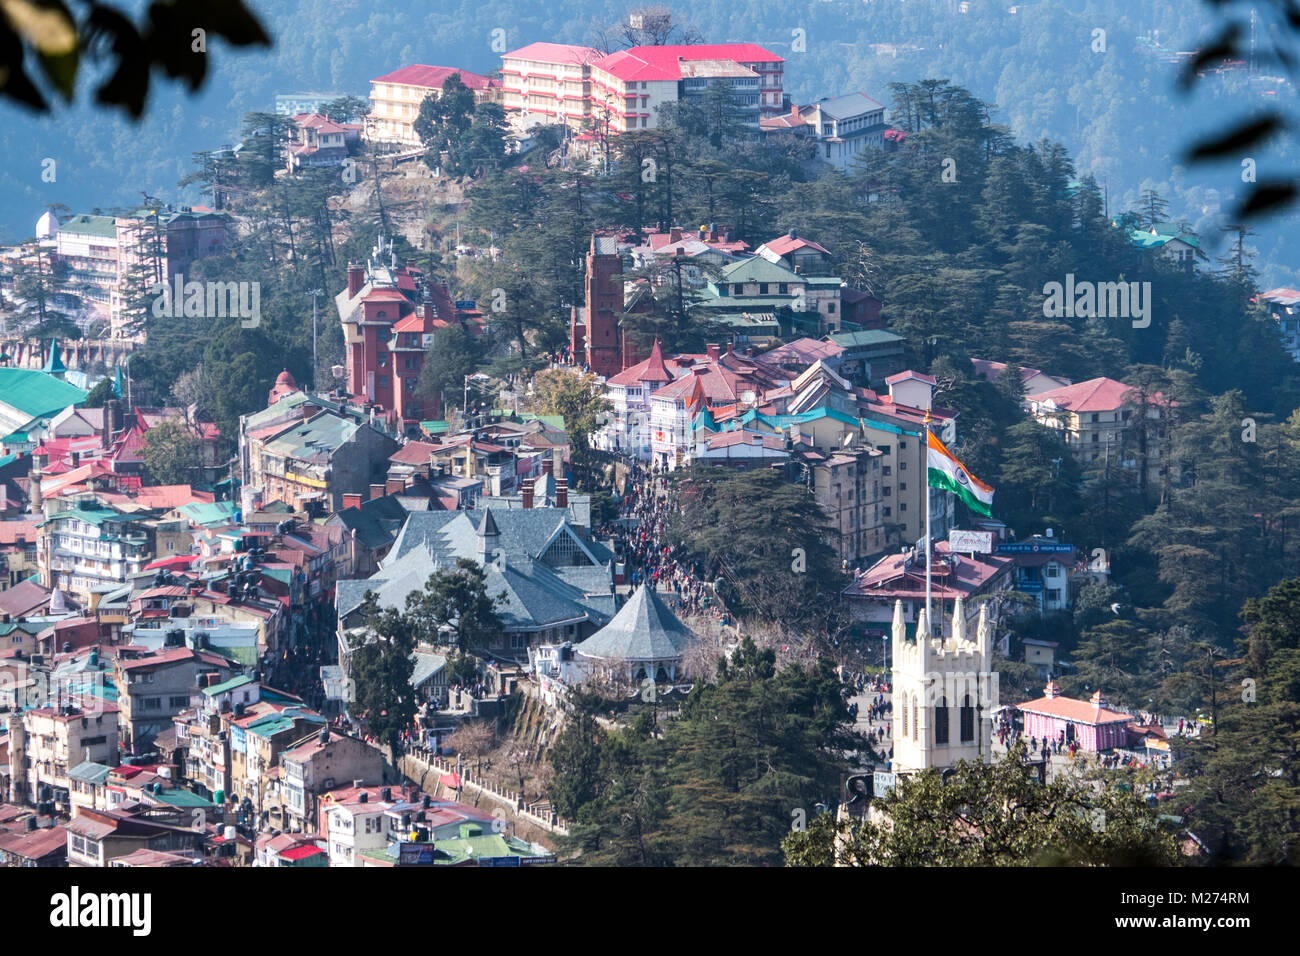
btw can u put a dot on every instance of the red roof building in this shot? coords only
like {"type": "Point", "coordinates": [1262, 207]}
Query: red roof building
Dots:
{"type": "Point", "coordinates": [395, 99]}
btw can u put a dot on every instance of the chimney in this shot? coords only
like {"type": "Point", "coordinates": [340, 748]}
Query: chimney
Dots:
{"type": "Point", "coordinates": [730, 347]}
{"type": "Point", "coordinates": [527, 491]}
{"type": "Point", "coordinates": [675, 235]}
{"type": "Point", "coordinates": [394, 486]}
{"type": "Point", "coordinates": [34, 486]}
{"type": "Point", "coordinates": [351, 500]}
{"type": "Point", "coordinates": [562, 493]}
{"type": "Point", "coordinates": [557, 468]}
{"type": "Point", "coordinates": [548, 466]}
{"type": "Point", "coordinates": [410, 264]}
{"type": "Point", "coordinates": [356, 279]}
{"type": "Point", "coordinates": [714, 351]}
{"type": "Point", "coordinates": [376, 491]}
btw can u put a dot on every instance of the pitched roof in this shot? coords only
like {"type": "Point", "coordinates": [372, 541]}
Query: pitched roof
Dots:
{"type": "Point", "coordinates": [665, 62]}
{"type": "Point", "coordinates": [554, 53]}
{"type": "Point", "coordinates": [432, 77]}
{"type": "Point", "coordinates": [1091, 711]}
{"type": "Point", "coordinates": [36, 394]}
{"type": "Point", "coordinates": [644, 629]}
{"type": "Point", "coordinates": [849, 104]}
{"type": "Point", "coordinates": [1094, 395]}
{"type": "Point", "coordinates": [784, 245]}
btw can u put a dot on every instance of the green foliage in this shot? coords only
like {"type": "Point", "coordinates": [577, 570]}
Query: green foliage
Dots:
{"type": "Point", "coordinates": [993, 814]}
{"type": "Point", "coordinates": [763, 535]}
{"type": "Point", "coordinates": [381, 673]}
{"type": "Point", "coordinates": [1244, 796]}
{"type": "Point", "coordinates": [100, 394]}
{"type": "Point", "coordinates": [172, 38]}
{"type": "Point", "coordinates": [719, 784]}
{"type": "Point", "coordinates": [471, 135]}
{"type": "Point", "coordinates": [445, 367]}
{"type": "Point", "coordinates": [578, 398]}
{"type": "Point", "coordinates": [458, 597]}
{"type": "Point", "coordinates": [172, 453]}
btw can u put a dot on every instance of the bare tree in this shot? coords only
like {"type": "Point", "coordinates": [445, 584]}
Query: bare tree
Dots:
{"type": "Point", "coordinates": [644, 26]}
{"type": "Point", "coordinates": [473, 739]}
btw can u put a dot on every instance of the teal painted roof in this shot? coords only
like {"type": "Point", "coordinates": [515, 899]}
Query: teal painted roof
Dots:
{"type": "Point", "coordinates": [37, 393]}
{"type": "Point", "coordinates": [85, 225]}
{"type": "Point", "coordinates": [181, 798]}
{"type": "Point", "coordinates": [270, 726]}
{"type": "Point", "coordinates": [54, 364]}
{"type": "Point", "coordinates": [434, 428]}
{"type": "Point", "coordinates": [205, 513]}
{"type": "Point", "coordinates": [865, 337]}
{"type": "Point", "coordinates": [95, 517]}
{"type": "Point", "coordinates": [232, 684]}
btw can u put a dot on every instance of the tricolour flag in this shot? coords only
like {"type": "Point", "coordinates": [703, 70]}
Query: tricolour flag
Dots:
{"type": "Point", "coordinates": [948, 473]}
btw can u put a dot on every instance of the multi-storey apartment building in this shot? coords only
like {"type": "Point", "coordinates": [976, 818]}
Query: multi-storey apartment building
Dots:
{"type": "Point", "coordinates": [1097, 417]}
{"type": "Point", "coordinates": [60, 738]}
{"type": "Point", "coordinates": [90, 546]}
{"type": "Point", "coordinates": [395, 100]}
{"type": "Point", "coordinates": [545, 83]}
{"type": "Point", "coordinates": [847, 487]}
{"type": "Point", "coordinates": [100, 252]}
{"type": "Point", "coordinates": [575, 85]}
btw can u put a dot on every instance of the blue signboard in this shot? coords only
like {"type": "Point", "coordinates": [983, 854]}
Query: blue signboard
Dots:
{"type": "Point", "coordinates": [498, 861]}
{"type": "Point", "coordinates": [1033, 547]}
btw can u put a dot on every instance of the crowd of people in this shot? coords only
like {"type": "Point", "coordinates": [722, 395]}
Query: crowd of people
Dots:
{"type": "Point", "coordinates": [645, 510]}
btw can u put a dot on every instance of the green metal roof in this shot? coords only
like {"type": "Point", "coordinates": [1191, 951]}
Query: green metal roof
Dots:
{"type": "Point", "coordinates": [232, 684]}
{"type": "Point", "coordinates": [865, 337]}
{"type": "Point", "coordinates": [434, 428]}
{"type": "Point", "coordinates": [36, 393]}
{"type": "Point", "coordinates": [181, 798]}
{"type": "Point", "coordinates": [86, 225]}
{"type": "Point", "coordinates": [208, 512]}
{"type": "Point", "coordinates": [95, 517]}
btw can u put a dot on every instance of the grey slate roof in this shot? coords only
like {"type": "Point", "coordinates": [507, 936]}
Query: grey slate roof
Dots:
{"type": "Point", "coordinates": [537, 595]}
{"type": "Point", "coordinates": [426, 666]}
{"type": "Point", "coordinates": [644, 630]}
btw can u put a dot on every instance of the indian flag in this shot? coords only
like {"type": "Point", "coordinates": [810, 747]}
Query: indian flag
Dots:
{"type": "Point", "coordinates": [948, 473]}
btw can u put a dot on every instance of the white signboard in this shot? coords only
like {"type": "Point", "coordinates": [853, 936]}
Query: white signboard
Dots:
{"type": "Point", "coordinates": [977, 542]}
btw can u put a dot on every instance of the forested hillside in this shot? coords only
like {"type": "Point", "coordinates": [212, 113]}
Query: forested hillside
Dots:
{"type": "Point", "coordinates": [1117, 111]}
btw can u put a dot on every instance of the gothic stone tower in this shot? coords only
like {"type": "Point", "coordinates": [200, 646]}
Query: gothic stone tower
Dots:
{"type": "Point", "coordinates": [945, 692]}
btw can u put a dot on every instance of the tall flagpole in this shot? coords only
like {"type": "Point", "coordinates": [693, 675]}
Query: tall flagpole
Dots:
{"type": "Point", "coordinates": [929, 547]}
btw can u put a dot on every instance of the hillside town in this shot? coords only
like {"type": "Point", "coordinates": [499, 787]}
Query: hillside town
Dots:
{"type": "Point", "coordinates": [502, 504]}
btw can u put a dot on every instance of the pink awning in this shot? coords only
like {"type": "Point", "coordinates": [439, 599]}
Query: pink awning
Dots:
{"type": "Point", "coordinates": [175, 561]}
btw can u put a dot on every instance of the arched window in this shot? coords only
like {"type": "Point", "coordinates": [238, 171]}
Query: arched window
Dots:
{"type": "Point", "coordinates": [915, 722]}
{"type": "Point", "coordinates": [941, 721]}
{"type": "Point", "coordinates": [967, 720]}
{"type": "Point", "coordinates": [902, 710]}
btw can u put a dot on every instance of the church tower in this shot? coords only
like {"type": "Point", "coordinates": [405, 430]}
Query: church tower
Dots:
{"type": "Point", "coordinates": [945, 691]}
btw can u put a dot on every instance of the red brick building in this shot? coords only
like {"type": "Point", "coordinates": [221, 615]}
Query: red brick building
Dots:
{"type": "Point", "coordinates": [391, 318]}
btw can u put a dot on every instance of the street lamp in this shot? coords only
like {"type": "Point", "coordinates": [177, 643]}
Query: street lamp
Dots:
{"type": "Point", "coordinates": [314, 293]}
